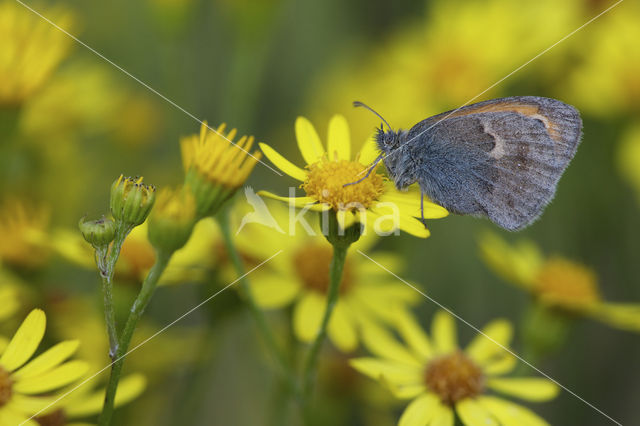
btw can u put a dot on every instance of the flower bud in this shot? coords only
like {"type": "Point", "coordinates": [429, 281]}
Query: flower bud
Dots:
{"type": "Point", "coordinates": [215, 166]}
{"type": "Point", "coordinates": [172, 219]}
{"type": "Point", "coordinates": [131, 200]}
{"type": "Point", "coordinates": [98, 233]}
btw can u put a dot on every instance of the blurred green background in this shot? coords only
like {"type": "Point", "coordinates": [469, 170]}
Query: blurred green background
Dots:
{"type": "Point", "coordinates": [257, 65]}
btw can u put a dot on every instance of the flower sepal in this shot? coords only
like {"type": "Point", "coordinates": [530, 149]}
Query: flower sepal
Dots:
{"type": "Point", "coordinates": [335, 233]}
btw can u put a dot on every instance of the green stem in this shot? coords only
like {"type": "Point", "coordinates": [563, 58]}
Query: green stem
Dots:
{"type": "Point", "coordinates": [139, 305]}
{"type": "Point", "coordinates": [335, 277]}
{"type": "Point", "coordinates": [255, 310]}
{"type": "Point", "coordinates": [106, 264]}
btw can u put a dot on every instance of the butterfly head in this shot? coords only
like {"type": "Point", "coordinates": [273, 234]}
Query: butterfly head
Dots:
{"type": "Point", "coordinates": [387, 141]}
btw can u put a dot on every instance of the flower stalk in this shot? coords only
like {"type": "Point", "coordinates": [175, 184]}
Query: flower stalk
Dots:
{"type": "Point", "coordinates": [139, 305]}
{"type": "Point", "coordinates": [341, 240]}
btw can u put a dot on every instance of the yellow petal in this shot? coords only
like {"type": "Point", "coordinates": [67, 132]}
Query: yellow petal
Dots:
{"type": "Point", "coordinates": [410, 202]}
{"type": "Point", "coordinates": [443, 332]}
{"type": "Point", "coordinates": [10, 417]}
{"type": "Point", "coordinates": [413, 334]}
{"type": "Point", "coordinates": [625, 316]}
{"type": "Point", "coordinates": [500, 365]}
{"type": "Point", "coordinates": [529, 388]}
{"type": "Point", "coordinates": [308, 141]}
{"type": "Point", "coordinates": [3, 343]}
{"type": "Point", "coordinates": [518, 264]}
{"type": "Point", "coordinates": [491, 342]}
{"type": "Point", "coordinates": [53, 379]}
{"type": "Point", "coordinates": [299, 202]}
{"type": "Point", "coordinates": [381, 343]}
{"type": "Point", "coordinates": [282, 163]}
{"type": "Point", "coordinates": [129, 388]}
{"type": "Point", "coordinates": [443, 416]}
{"type": "Point", "coordinates": [420, 411]}
{"type": "Point", "coordinates": [307, 316]}
{"type": "Point", "coordinates": [31, 404]}
{"type": "Point", "coordinates": [369, 151]}
{"type": "Point", "coordinates": [510, 414]}
{"type": "Point", "coordinates": [341, 329]}
{"type": "Point", "coordinates": [47, 360]}
{"type": "Point", "coordinates": [274, 290]}
{"type": "Point", "coordinates": [473, 414]}
{"type": "Point", "coordinates": [394, 372]}
{"type": "Point", "coordinates": [386, 220]}
{"type": "Point", "coordinates": [338, 139]}
{"type": "Point", "coordinates": [25, 342]}
{"type": "Point", "coordinates": [379, 301]}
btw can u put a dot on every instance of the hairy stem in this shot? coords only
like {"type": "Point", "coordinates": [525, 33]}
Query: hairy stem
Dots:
{"type": "Point", "coordinates": [137, 309]}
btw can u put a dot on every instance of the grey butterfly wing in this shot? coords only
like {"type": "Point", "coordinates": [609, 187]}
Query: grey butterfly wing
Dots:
{"type": "Point", "coordinates": [501, 159]}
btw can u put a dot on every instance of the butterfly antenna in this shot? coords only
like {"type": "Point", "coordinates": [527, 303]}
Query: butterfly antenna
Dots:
{"type": "Point", "coordinates": [360, 104]}
{"type": "Point", "coordinates": [371, 169]}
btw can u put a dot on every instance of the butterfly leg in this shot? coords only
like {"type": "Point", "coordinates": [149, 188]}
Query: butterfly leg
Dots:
{"type": "Point", "coordinates": [422, 208]}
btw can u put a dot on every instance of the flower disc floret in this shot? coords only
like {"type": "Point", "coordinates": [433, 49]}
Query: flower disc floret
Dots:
{"type": "Point", "coordinates": [326, 183]}
{"type": "Point", "coordinates": [566, 283]}
{"type": "Point", "coordinates": [6, 385]}
{"type": "Point", "coordinates": [454, 377]}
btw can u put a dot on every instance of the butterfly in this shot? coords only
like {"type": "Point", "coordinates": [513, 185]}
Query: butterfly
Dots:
{"type": "Point", "coordinates": [501, 159]}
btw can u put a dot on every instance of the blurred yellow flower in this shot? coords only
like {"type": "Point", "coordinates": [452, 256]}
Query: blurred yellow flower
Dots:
{"type": "Point", "coordinates": [9, 302]}
{"type": "Point", "coordinates": [629, 157]}
{"type": "Point", "coordinates": [30, 49]}
{"type": "Point", "coordinates": [438, 62]}
{"type": "Point", "coordinates": [300, 276]}
{"type": "Point", "coordinates": [23, 227]}
{"type": "Point", "coordinates": [193, 262]}
{"type": "Point", "coordinates": [556, 282]}
{"type": "Point", "coordinates": [157, 358]}
{"type": "Point", "coordinates": [21, 385]}
{"type": "Point", "coordinates": [607, 81]}
{"type": "Point", "coordinates": [216, 167]}
{"type": "Point", "coordinates": [327, 171]}
{"type": "Point", "coordinates": [439, 377]}
{"type": "Point", "coordinates": [82, 403]}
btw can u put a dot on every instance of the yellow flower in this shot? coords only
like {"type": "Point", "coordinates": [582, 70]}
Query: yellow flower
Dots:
{"type": "Point", "coordinates": [556, 282]}
{"type": "Point", "coordinates": [31, 49]}
{"type": "Point", "coordinates": [216, 167]}
{"type": "Point", "coordinates": [607, 82]}
{"type": "Point", "coordinates": [21, 385]}
{"type": "Point", "coordinates": [439, 377]}
{"type": "Point", "coordinates": [23, 228]}
{"type": "Point", "coordinates": [629, 157]}
{"type": "Point", "coordinates": [300, 276]}
{"type": "Point", "coordinates": [439, 61]}
{"type": "Point", "coordinates": [82, 403]}
{"type": "Point", "coordinates": [155, 359]}
{"type": "Point", "coordinates": [375, 200]}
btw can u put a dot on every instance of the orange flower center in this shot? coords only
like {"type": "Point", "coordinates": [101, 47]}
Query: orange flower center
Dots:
{"type": "Point", "coordinates": [326, 179]}
{"type": "Point", "coordinates": [454, 377]}
{"type": "Point", "coordinates": [55, 418]}
{"type": "Point", "coordinates": [5, 386]}
{"type": "Point", "coordinates": [567, 284]}
{"type": "Point", "coordinates": [311, 263]}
